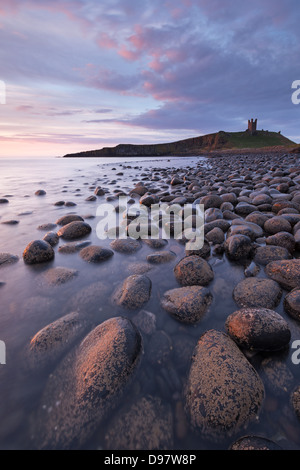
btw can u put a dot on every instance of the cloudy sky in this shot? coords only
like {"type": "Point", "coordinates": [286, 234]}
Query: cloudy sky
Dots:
{"type": "Point", "coordinates": [84, 74]}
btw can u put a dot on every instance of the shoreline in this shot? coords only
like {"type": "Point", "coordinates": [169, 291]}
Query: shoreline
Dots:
{"type": "Point", "coordinates": [172, 296]}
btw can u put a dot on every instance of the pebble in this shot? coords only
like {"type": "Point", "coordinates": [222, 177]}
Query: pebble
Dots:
{"type": "Point", "coordinates": [286, 273]}
{"type": "Point", "coordinates": [52, 238]}
{"type": "Point", "coordinates": [57, 276]}
{"type": "Point", "coordinates": [187, 304]}
{"type": "Point", "coordinates": [238, 247]}
{"type": "Point", "coordinates": [193, 270]}
{"type": "Point", "coordinates": [146, 424]}
{"type": "Point", "coordinates": [66, 219]}
{"type": "Point", "coordinates": [10, 222]}
{"type": "Point", "coordinates": [254, 292]}
{"type": "Point", "coordinates": [74, 230]}
{"type": "Point", "coordinates": [292, 304]}
{"type": "Point", "coordinates": [258, 329]}
{"type": "Point", "coordinates": [133, 293]}
{"type": "Point", "coordinates": [254, 443]}
{"type": "Point", "coordinates": [277, 376]}
{"type": "Point", "coordinates": [95, 254]}
{"type": "Point", "coordinates": [126, 245]}
{"type": "Point", "coordinates": [38, 251]}
{"type": "Point", "coordinates": [161, 257]}
{"type": "Point", "coordinates": [277, 224]}
{"type": "Point", "coordinates": [265, 254]}
{"type": "Point", "coordinates": [7, 259]}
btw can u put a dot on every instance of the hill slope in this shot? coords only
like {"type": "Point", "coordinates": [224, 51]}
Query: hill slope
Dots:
{"type": "Point", "coordinates": [194, 146]}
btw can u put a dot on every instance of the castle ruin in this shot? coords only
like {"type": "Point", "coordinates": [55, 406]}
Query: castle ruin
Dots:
{"type": "Point", "coordinates": [252, 125]}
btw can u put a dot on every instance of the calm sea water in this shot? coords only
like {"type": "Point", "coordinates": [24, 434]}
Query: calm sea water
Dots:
{"type": "Point", "coordinates": [26, 307]}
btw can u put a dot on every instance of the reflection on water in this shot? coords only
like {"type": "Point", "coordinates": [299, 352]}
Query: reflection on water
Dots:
{"type": "Point", "coordinates": [27, 305]}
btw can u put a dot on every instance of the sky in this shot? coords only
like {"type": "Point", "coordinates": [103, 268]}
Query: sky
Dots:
{"type": "Point", "coordinates": [85, 74]}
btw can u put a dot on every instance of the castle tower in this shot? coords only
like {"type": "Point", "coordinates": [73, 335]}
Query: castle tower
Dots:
{"type": "Point", "coordinates": [252, 125]}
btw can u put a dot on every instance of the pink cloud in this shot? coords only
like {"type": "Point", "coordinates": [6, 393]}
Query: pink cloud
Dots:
{"type": "Point", "coordinates": [129, 54]}
{"type": "Point", "coordinates": [106, 41]}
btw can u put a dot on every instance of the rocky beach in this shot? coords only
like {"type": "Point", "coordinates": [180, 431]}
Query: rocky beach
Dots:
{"type": "Point", "coordinates": [129, 344]}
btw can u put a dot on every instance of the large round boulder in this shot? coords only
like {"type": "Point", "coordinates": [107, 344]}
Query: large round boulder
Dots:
{"type": "Point", "coordinates": [87, 384]}
{"type": "Point", "coordinates": [223, 392]}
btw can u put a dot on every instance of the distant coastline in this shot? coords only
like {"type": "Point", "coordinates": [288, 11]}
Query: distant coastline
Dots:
{"type": "Point", "coordinates": [210, 144]}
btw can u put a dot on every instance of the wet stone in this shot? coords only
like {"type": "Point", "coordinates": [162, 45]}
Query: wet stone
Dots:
{"type": "Point", "coordinates": [244, 227]}
{"type": "Point", "coordinates": [187, 304]}
{"type": "Point", "coordinates": [159, 349]}
{"type": "Point", "coordinates": [238, 247]}
{"type": "Point", "coordinates": [277, 376]}
{"type": "Point", "coordinates": [67, 219]}
{"type": "Point", "coordinates": [86, 385]}
{"type": "Point", "coordinates": [277, 224]}
{"type": "Point", "coordinates": [251, 270]}
{"type": "Point", "coordinates": [286, 273]}
{"type": "Point", "coordinates": [99, 192]}
{"type": "Point", "coordinates": [215, 236]}
{"type": "Point", "coordinates": [139, 268]}
{"type": "Point", "coordinates": [254, 443]}
{"type": "Point", "coordinates": [295, 401]}
{"type": "Point", "coordinates": [213, 214]}
{"type": "Point", "coordinates": [203, 252]}
{"type": "Point", "coordinates": [7, 259]}
{"type": "Point", "coordinates": [57, 276]}
{"type": "Point", "coordinates": [10, 222]}
{"type": "Point", "coordinates": [145, 322]}
{"type": "Point", "coordinates": [254, 292]}
{"type": "Point", "coordinates": [46, 227]}
{"type": "Point", "coordinates": [161, 257]}
{"type": "Point", "coordinates": [155, 244]}
{"type": "Point", "coordinates": [73, 247]}
{"type": "Point", "coordinates": [284, 239]}
{"type": "Point", "coordinates": [258, 329]}
{"type": "Point", "coordinates": [220, 223]}
{"type": "Point", "coordinates": [38, 251]}
{"type": "Point", "coordinates": [126, 245]}
{"type": "Point", "coordinates": [74, 230]}
{"type": "Point", "coordinates": [265, 254]}
{"type": "Point", "coordinates": [133, 293]}
{"type": "Point", "coordinates": [146, 425]}
{"type": "Point", "coordinates": [192, 271]}
{"type": "Point", "coordinates": [53, 341]}
{"type": "Point", "coordinates": [223, 391]}
{"type": "Point", "coordinates": [292, 304]}
{"type": "Point", "coordinates": [52, 238]}
{"type": "Point", "coordinates": [95, 254]}
{"type": "Point", "coordinates": [244, 209]}
{"type": "Point", "coordinates": [211, 201]}
{"type": "Point", "coordinates": [89, 300]}
{"type": "Point", "coordinates": [257, 218]}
